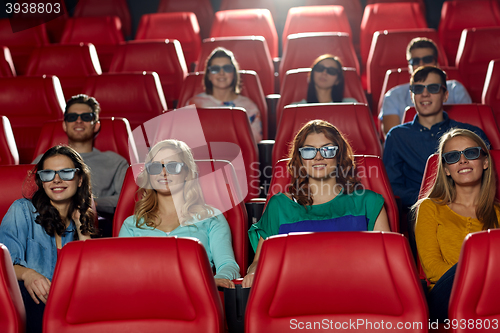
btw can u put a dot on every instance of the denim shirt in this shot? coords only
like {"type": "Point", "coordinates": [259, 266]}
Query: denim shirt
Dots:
{"type": "Point", "coordinates": [28, 243]}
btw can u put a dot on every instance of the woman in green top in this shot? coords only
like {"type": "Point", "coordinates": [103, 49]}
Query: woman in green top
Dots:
{"type": "Point", "coordinates": [324, 194]}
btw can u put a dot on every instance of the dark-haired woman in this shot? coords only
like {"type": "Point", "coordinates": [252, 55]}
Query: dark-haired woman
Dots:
{"type": "Point", "coordinates": [324, 194]}
{"type": "Point", "coordinates": [35, 229]}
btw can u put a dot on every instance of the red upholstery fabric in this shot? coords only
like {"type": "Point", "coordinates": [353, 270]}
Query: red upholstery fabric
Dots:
{"type": "Point", "coordinates": [295, 83]}
{"type": "Point", "coordinates": [246, 22]}
{"type": "Point", "coordinates": [202, 8]}
{"type": "Point", "coordinates": [251, 88]}
{"type": "Point", "coordinates": [22, 43]}
{"type": "Point", "coordinates": [114, 135]}
{"type": "Point", "coordinates": [388, 16]}
{"type": "Point", "coordinates": [315, 19]}
{"type": "Point", "coordinates": [316, 44]}
{"type": "Point", "coordinates": [6, 64]}
{"type": "Point", "coordinates": [70, 63]}
{"type": "Point", "coordinates": [371, 172]}
{"type": "Point", "coordinates": [29, 102]}
{"type": "Point", "coordinates": [251, 53]}
{"type": "Point", "coordinates": [12, 316]}
{"type": "Point", "coordinates": [8, 148]}
{"type": "Point", "coordinates": [182, 26]}
{"type": "Point", "coordinates": [479, 115]}
{"type": "Point", "coordinates": [335, 276]}
{"type": "Point", "coordinates": [354, 121]}
{"type": "Point", "coordinates": [477, 47]}
{"type": "Point", "coordinates": [13, 178]}
{"type": "Point", "coordinates": [218, 188]}
{"type": "Point", "coordinates": [245, 4]}
{"type": "Point", "coordinates": [135, 96]}
{"type": "Point", "coordinates": [459, 15]}
{"type": "Point", "coordinates": [474, 295]}
{"type": "Point", "coordinates": [163, 57]}
{"type": "Point", "coordinates": [491, 88]}
{"type": "Point", "coordinates": [388, 50]}
{"type": "Point", "coordinates": [104, 32]}
{"type": "Point", "coordinates": [141, 284]}
{"type": "Point", "coordinates": [85, 8]}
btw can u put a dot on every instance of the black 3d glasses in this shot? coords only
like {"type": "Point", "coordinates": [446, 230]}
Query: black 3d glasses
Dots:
{"type": "Point", "coordinates": [72, 117]}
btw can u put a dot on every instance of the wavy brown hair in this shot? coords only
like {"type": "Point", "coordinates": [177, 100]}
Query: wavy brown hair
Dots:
{"type": "Point", "coordinates": [221, 52]}
{"type": "Point", "coordinates": [345, 173]}
{"type": "Point", "coordinates": [49, 217]}
{"type": "Point", "coordinates": [444, 192]}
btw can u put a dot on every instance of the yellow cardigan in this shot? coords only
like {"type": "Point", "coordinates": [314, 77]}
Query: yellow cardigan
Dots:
{"type": "Point", "coordinates": [439, 233]}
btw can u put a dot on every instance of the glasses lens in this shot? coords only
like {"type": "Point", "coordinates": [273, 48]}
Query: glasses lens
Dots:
{"type": "Point", "coordinates": [319, 68]}
{"type": "Point", "coordinates": [228, 68]}
{"type": "Point", "coordinates": [66, 174]}
{"type": "Point", "coordinates": [427, 59]}
{"type": "Point", "coordinates": [87, 116]}
{"type": "Point", "coordinates": [472, 153]}
{"type": "Point", "coordinates": [452, 157]}
{"type": "Point", "coordinates": [307, 153]}
{"type": "Point", "coordinates": [46, 175]}
{"type": "Point", "coordinates": [417, 88]}
{"type": "Point", "coordinates": [434, 88]}
{"type": "Point", "coordinates": [416, 61]}
{"type": "Point", "coordinates": [215, 69]}
{"type": "Point", "coordinates": [332, 71]}
{"type": "Point", "coordinates": [71, 117]}
{"type": "Point", "coordinates": [329, 152]}
{"type": "Point", "coordinates": [154, 168]}
{"type": "Point", "coordinates": [174, 168]}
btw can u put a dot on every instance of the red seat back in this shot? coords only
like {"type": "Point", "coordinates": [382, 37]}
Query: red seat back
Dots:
{"type": "Point", "coordinates": [13, 315]}
{"type": "Point", "coordinates": [246, 22]}
{"type": "Point", "coordinates": [29, 102]}
{"type": "Point", "coordinates": [491, 88]}
{"type": "Point", "coordinates": [316, 44]}
{"type": "Point", "coordinates": [202, 8]}
{"type": "Point", "coordinates": [477, 48]}
{"type": "Point", "coordinates": [119, 8]}
{"type": "Point", "coordinates": [479, 115]}
{"type": "Point", "coordinates": [163, 57]}
{"type": "Point", "coordinates": [357, 262]}
{"type": "Point", "coordinates": [13, 177]}
{"type": "Point", "coordinates": [182, 26]}
{"type": "Point", "coordinates": [251, 53]}
{"type": "Point", "coordinates": [251, 88]}
{"type": "Point", "coordinates": [8, 148]}
{"type": "Point", "coordinates": [354, 121]}
{"type": "Point", "coordinates": [135, 96]}
{"type": "Point", "coordinates": [6, 65]}
{"type": "Point", "coordinates": [88, 287]}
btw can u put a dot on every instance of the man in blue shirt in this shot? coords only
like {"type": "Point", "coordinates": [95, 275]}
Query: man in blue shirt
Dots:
{"type": "Point", "coordinates": [408, 146]}
{"type": "Point", "coordinates": [420, 52]}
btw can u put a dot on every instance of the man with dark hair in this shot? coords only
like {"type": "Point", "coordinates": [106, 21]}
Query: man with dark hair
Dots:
{"type": "Point", "coordinates": [420, 52]}
{"type": "Point", "coordinates": [408, 146]}
{"type": "Point", "coordinates": [81, 124]}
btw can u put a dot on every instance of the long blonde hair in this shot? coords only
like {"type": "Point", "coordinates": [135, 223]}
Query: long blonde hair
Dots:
{"type": "Point", "coordinates": [444, 192]}
{"type": "Point", "coordinates": [146, 208]}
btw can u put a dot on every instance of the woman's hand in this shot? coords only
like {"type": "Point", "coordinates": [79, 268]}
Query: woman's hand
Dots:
{"type": "Point", "coordinates": [37, 285]}
{"type": "Point", "coordinates": [224, 283]}
{"type": "Point", "coordinates": [76, 218]}
{"type": "Point", "coordinates": [248, 280]}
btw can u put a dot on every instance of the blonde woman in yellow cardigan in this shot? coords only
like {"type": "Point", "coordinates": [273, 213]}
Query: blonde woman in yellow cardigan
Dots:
{"type": "Point", "coordinates": [461, 201]}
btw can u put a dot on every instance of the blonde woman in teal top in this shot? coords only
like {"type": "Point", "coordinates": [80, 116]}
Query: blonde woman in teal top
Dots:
{"type": "Point", "coordinates": [324, 194]}
{"type": "Point", "coordinates": [172, 204]}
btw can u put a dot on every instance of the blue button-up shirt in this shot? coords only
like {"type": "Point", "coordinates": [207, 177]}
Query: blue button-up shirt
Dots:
{"type": "Point", "coordinates": [28, 243]}
{"type": "Point", "coordinates": [407, 148]}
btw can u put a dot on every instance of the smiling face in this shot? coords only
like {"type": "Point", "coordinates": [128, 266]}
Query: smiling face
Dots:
{"type": "Point", "coordinates": [79, 130]}
{"type": "Point", "coordinates": [323, 80]}
{"type": "Point", "coordinates": [165, 183]}
{"type": "Point", "coordinates": [221, 80]}
{"type": "Point", "coordinates": [465, 172]}
{"type": "Point", "coordinates": [60, 191]}
{"type": "Point", "coordinates": [428, 104]}
{"type": "Point", "coordinates": [319, 167]}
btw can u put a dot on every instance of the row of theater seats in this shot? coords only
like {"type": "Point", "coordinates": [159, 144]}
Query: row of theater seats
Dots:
{"type": "Point", "coordinates": [377, 285]}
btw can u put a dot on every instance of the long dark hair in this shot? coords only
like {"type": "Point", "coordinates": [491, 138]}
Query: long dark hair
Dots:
{"type": "Point", "coordinates": [49, 217]}
{"type": "Point", "coordinates": [337, 90]}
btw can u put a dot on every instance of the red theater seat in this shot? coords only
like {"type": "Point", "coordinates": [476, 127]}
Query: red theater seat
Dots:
{"type": "Point", "coordinates": [370, 171]}
{"type": "Point", "coordinates": [6, 65]}
{"type": "Point", "coordinates": [465, 14]}
{"type": "Point", "coordinates": [8, 148]}
{"type": "Point", "coordinates": [13, 315]}
{"type": "Point", "coordinates": [363, 278]}
{"type": "Point", "coordinates": [135, 96]}
{"type": "Point", "coordinates": [388, 16]}
{"type": "Point", "coordinates": [22, 43]}
{"type": "Point", "coordinates": [388, 50]}
{"type": "Point", "coordinates": [28, 102]}
{"type": "Point", "coordinates": [119, 8]}
{"type": "Point", "coordinates": [182, 26]}
{"type": "Point", "coordinates": [246, 22]}
{"type": "Point", "coordinates": [104, 32]}
{"type": "Point", "coordinates": [248, 4]}
{"type": "Point", "coordinates": [115, 284]}
{"type": "Point", "coordinates": [354, 121]}
{"type": "Point", "coordinates": [13, 178]}
{"type": "Point", "coordinates": [479, 115]}
{"type": "Point", "coordinates": [474, 294]}
{"type": "Point", "coordinates": [202, 8]}
{"type": "Point", "coordinates": [491, 89]}
{"type": "Point", "coordinates": [70, 63]}
{"type": "Point", "coordinates": [478, 46]}
{"type": "Point", "coordinates": [315, 19]}
{"type": "Point", "coordinates": [114, 135]}
{"type": "Point", "coordinates": [251, 53]}
{"type": "Point", "coordinates": [334, 43]}
{"type": "Point", "coordinates": [163, 57]}
{"type": "Point", "coordinates": [251, 88]}
{"type": "Point", "coordinates": [218, 185]}
{"type": "Point", "coordinates": [295, 83]}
